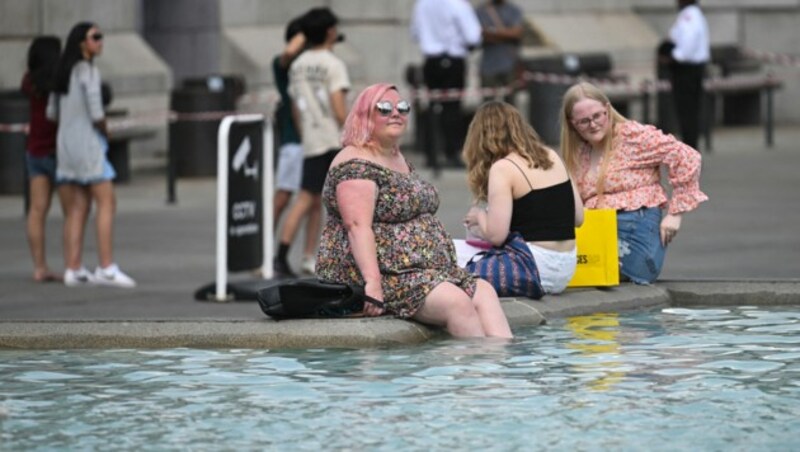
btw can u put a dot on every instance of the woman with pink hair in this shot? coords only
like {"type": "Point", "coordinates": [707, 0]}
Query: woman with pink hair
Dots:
{"type": "Point", "coordinates": [382, 231]}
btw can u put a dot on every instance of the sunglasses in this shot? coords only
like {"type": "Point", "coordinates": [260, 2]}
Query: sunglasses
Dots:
{"type": "Point", "coordinates": [385, 107]}
{"type": "Point", "coordinates": [96, 37]}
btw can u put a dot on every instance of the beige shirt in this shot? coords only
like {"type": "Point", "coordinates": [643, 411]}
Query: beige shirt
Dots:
{"type": "Point", "coordinates": [313, 76]}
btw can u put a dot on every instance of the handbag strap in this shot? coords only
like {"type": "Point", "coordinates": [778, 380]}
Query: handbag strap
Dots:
{"type": "Point", "coordinates": [374, 301]}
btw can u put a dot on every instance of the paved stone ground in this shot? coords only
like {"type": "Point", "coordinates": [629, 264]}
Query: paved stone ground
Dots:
{"type": "Point", "coordinates": [746, 231]}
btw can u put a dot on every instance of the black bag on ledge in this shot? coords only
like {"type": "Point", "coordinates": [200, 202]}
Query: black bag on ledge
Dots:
{"type": "Point", "coordinates": [310, 298]}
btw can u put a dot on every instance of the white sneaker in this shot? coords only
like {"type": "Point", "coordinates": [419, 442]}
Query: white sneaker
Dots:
{"type": "Point", "coordinates": [112, 276]}
{"type": "Point", "coordinates": [309, 265]}
{"type": "Point", "coordinates": [78, 278]}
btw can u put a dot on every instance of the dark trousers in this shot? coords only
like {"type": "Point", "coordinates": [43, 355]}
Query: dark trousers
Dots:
{"type": "Point", "coordinates": [443, 72]}
{"type": "Point", "coordinates": [687, 92]}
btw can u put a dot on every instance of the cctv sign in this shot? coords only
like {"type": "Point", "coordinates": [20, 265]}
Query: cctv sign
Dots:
{"type": "Point", "coordinates": [245, 196]}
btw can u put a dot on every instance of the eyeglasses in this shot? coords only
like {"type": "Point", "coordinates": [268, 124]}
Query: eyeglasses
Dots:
{"type": "Point", "coordinates": [385, 107]}
{"type": "Point", "coordinates": [97, 36]}
{"type": "Point", "coordinates": [595, 118]}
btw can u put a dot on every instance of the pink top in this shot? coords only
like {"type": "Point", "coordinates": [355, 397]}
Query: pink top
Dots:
{"type": "Point", "coordinates": [633, 178]}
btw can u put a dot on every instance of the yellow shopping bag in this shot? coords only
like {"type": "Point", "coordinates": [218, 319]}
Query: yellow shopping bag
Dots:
{"type": "Point", "coordinates": [598, 258]}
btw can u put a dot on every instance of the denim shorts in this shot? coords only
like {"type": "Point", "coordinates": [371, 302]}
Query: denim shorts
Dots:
{"type": "Point", "coordinates": [641, 254]}
{"type": "Point", "coordinates": [41, 166]}
{"type": "Point", "coordinates": [290, 167]}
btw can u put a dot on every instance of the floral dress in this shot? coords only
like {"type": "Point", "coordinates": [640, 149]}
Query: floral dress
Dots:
{"type": "Point", "coordinates": [414, 251]}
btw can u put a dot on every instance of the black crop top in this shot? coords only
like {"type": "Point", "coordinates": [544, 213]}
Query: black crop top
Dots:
{"type": "Point", "coordinates": [545, 214]}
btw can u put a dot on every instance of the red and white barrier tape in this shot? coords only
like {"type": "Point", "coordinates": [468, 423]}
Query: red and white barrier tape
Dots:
{"type": "Point", "coordinates": [614, 87]}
{"type": "Point", "coordinates": [773, 58]}
{"type": "Point", "coordinates": [21, 127]}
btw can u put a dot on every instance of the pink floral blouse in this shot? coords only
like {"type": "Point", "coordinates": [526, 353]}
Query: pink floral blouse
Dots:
{"type": "Point", "coordinates": [633, 178]}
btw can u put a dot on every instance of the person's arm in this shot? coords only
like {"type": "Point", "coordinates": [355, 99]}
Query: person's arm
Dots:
{"type": "Point", "coordinates": [292, 49]}
{"type": "Point", "coordinates": [298, 125]}
{"type": "Point", "coordinates": [467, 24]}
{"type": "Point", "coordinates": [578, 204]}
{"type": "Point", "coordinates": [338, 85]}
{"type": "Point", "coordinates": [356, 201]}
{"type": "Point", "coordinates": [338, 106]}
{"type": "Point", "coordinates": [493, 223]}
{"type": "Point", "coordinates": [90, 81]}
{"type": "Point", "coordinates": [51, 112]}
{"type": "Point", "coordinates": [506, 34]}
{"type": "Point", "coordinates": [683, 169]}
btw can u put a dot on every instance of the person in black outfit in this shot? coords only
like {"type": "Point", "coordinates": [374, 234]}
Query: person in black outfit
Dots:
{"type": "Point", "coordinates": [688, 56]}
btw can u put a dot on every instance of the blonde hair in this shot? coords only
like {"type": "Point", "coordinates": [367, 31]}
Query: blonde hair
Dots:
{"type": "Point", "coordinates": [496, 131]}
{"type": "Point", "coordinates": [571, 139]}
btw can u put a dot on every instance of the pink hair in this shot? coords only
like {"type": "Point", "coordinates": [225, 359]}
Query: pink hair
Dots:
{"type": "Point", "coordinates": [360, 123]}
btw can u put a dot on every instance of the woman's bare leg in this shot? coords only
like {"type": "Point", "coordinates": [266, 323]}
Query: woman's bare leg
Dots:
{"type": "Point", "coordinates": [103, 195]}
{"type": "Point", "coordinates": [76, 211]}
{"type": "Point", "coordinates": [450, 307]}
{"type": "Point", "coordinates": [487, 303]}
{"type": "Point", "coordinates": [40, 196]}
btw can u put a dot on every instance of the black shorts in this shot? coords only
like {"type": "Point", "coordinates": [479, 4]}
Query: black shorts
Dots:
{"type": "Point", "coordinates": [314, 171]}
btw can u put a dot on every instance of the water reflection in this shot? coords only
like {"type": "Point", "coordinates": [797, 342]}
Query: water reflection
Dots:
{"type": "Point", "coordinates": [595, 337]}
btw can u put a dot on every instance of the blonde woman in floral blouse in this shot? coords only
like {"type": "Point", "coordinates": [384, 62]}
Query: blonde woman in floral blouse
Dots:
{"type": "Point", "coordinates": [382, 229]}
{"type": "Point", "coordinates": [616, 163]}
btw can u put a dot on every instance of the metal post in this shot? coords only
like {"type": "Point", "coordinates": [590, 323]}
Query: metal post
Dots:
{"type": "Point", "coordinates": [267, 270]}
{"type": "Point", "coordinates": [435, 141]}
{"type": "Point", "coordinates": [221, 292]}
{"type": "Point", "coordinates": [171, 174]}
{"type": "Point", "coordinates": [769, 127]}
{"type": "Point", "coordinates": [710, 108]}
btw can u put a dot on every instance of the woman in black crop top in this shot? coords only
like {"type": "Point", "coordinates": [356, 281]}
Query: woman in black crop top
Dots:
{"type": "Point", "coordinates": [525, 188]}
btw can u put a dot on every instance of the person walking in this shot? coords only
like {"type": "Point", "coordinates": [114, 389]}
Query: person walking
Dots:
{"type": "Point", "coordinates": [318, 84]}
{"type": "Point", "coordinates": [446, 31]}
{"type": "Point", "coordinates": [40, 155]}
{"type": "Point", "coordinates": [290, 153]}
{"type": "Point", "coordinates": [83, 172]}
{"type": "Point", "coordinates": [690, 54]}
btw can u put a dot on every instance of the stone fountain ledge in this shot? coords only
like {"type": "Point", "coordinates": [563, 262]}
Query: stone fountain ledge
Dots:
{"type": "Point", "coordinates": [384, 331]}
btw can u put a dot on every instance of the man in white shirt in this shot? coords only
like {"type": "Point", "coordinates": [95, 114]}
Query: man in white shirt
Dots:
{"type": "Point", "coordinates": [446, 31]}
{"type": "Point", "coordinates": [690, 54]}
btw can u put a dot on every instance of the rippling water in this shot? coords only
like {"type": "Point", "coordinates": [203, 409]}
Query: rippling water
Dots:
{"type": "Point", "coordinates": [679, 379]}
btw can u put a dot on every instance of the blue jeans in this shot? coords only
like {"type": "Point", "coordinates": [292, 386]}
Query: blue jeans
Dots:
{"type": "Point", "coordinates": [640, 252]}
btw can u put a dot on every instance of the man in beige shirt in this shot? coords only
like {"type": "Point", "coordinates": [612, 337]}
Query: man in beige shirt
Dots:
{"type": "Point", "coordinates": [318, 84]}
